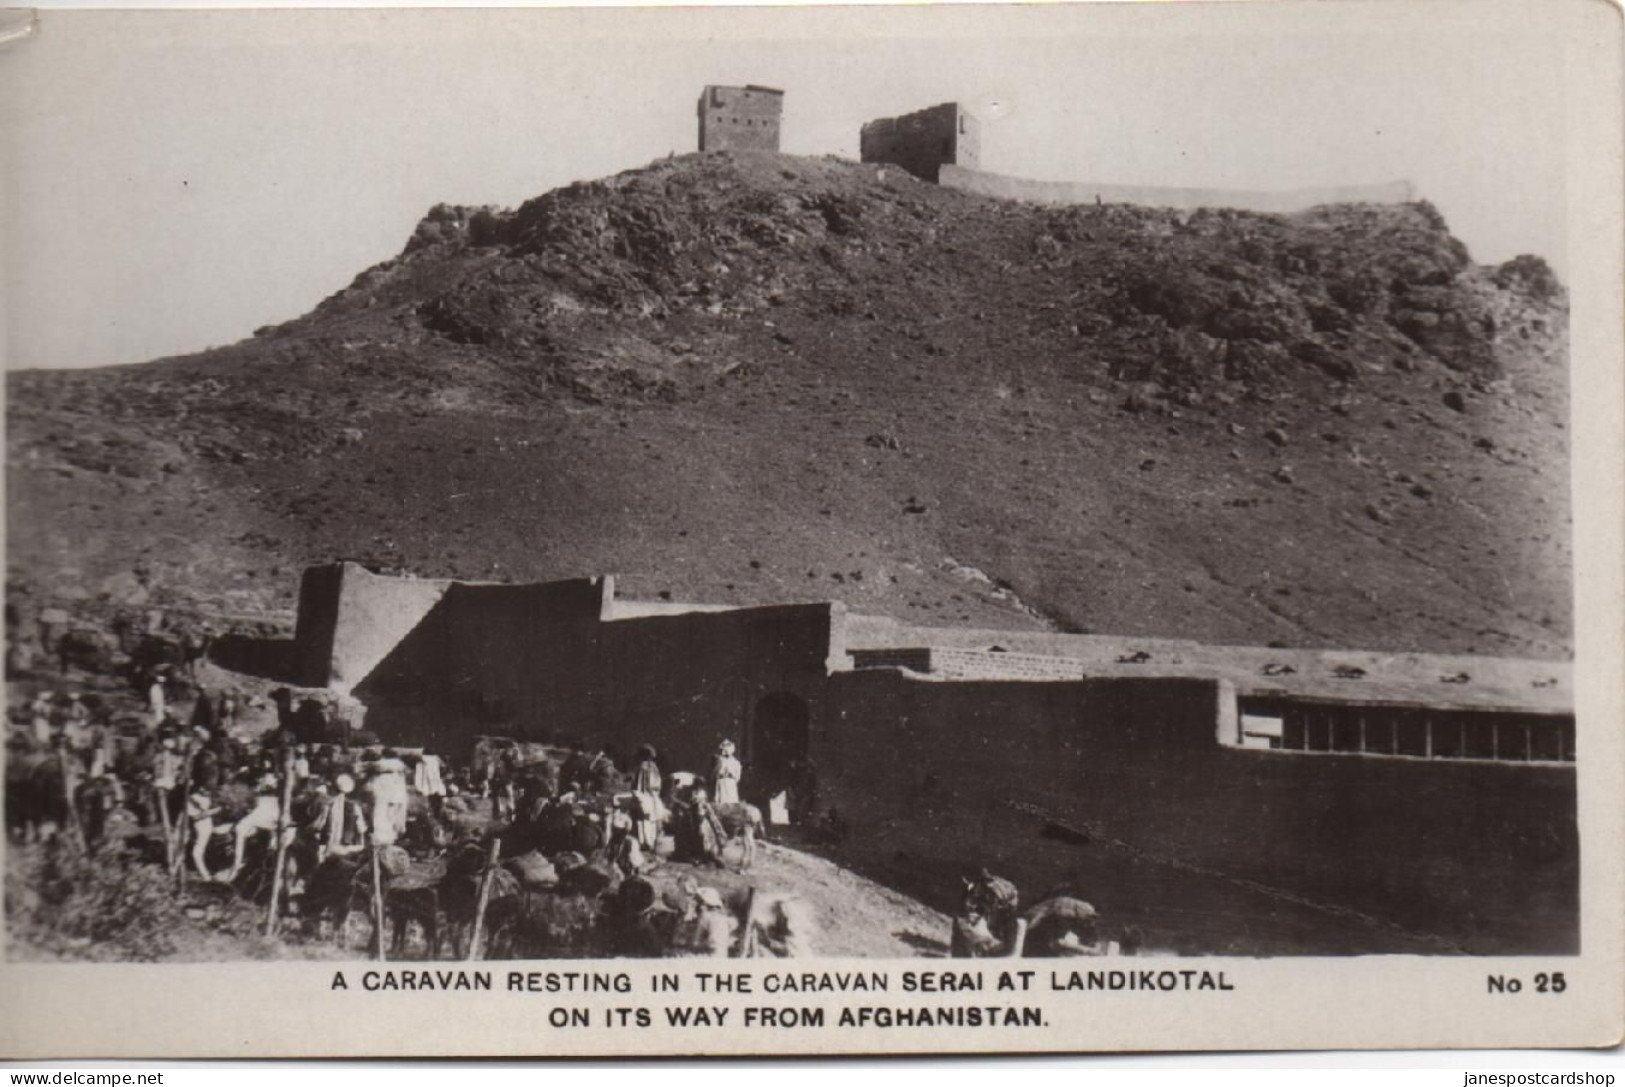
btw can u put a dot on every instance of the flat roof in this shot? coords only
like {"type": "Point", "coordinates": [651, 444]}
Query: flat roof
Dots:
{"type": "Point", "coordinates": [1457, 681]}
{"type": "Point", "coordinates": [747, 87]}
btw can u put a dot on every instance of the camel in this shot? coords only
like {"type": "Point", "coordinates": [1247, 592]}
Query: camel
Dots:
{"type": "Point", "coordinates": [1058, 927]}
{"type": "Point", "coordinates": [995, 899]}
{"type": "Point", "coordinates": [973, 939]}
{"type": "Point", "coordinates": [743, 823]}
{"type": "Point", "coordinates": [778, 925]}
{"type": "Point", "coordinates": [991, 927]}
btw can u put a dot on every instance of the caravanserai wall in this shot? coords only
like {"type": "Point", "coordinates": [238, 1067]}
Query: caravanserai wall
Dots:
{"type": "Point", "coordinates": [1120, 790]}
{"type": "Point", "coordinates": [542, 662]}
{"type": "Point", "coordinates": [350, 619]}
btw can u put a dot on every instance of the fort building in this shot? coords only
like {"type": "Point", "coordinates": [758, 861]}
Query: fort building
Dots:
{"type": "Point", "coordinates": [925, 141]}
{"type": "Point", "coordinates": [1329, 801]}
{"type": "Point", "coordinates": [740, 118]}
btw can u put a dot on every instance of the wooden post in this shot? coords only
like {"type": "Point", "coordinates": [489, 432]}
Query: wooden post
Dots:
{"type": "Point", "coordinates": [169, 831]}
{"type": "Point", "coordinates": [487, 877]}
{"type": "Point", "coordinates": [377, 902]}
{"type": "Point", "coordinates": [183, 825]}
{"type": "Point", "coordinates": [747, 934]}
{"type": "Point", "coordinates": [282, 814]}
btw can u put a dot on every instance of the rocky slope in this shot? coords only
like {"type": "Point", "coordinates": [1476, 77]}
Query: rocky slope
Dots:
{"type": "Point", "coordinates": [753, 378]}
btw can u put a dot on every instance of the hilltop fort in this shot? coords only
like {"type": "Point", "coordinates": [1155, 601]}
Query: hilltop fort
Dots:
{"type": "Point", "coordinates": [740, 118]}
{"type": "Point", "coordinates": [942, 144]}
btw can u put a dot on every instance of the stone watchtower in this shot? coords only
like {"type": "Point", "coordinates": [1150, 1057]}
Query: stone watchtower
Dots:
{"type": "Point", "coordinates": [744, 118]}
{"type": "Point", "coordinates": [924, 142]}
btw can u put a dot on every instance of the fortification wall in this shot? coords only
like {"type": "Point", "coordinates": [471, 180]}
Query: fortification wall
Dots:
{"type": "Point", "coordinates": [973, 180]}
{"type": "Point", "coordinates": [350, 619]}
{"type": "Point", "coordinates": [959, 664]}
{"type": "Point", "coordinates": [319, 591]}
{"type": "Point", "coordinates": [1200, 844]}
{"type": "Point", "coordinates": [533, 663]}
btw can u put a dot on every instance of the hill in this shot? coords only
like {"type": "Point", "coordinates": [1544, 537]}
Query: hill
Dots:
{"type": "Point", "coordinates": [746, 378]}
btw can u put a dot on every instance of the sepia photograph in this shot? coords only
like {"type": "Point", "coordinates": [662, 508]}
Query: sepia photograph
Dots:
{"type": "Point", "coordinates": [496, 496]}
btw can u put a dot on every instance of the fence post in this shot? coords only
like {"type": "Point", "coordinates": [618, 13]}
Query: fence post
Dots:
{"type": "Point", "coordinates": [377, 902]}
{"type": "Point", "coordinates": [487, 877]}
{"type": "Point", "coordinates": [286, 803]}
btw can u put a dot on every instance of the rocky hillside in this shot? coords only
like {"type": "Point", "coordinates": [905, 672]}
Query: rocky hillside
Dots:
{"type": "Point", "coordinates": [752, 378]}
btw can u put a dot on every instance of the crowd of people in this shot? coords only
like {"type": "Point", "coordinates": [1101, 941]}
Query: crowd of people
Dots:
{"type": "Point", "coordinates": [225, 788]}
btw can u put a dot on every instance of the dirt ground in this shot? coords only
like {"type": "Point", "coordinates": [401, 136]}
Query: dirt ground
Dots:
{"type": "Point", "coordinates": [63, 908]}
{"type": "Point", "coordinates": [857, 917]}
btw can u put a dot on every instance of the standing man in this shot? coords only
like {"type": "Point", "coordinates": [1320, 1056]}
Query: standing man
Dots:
{"type": "Point", "coordinates": [166, 774]}
{"type": "Point", "coordinates": [646, 787]}
{"type": "Point", "coordinates": [155, 698]}
{"type": "Point", "coordinates": [40, 721]}
{"type": "Point", "coordinates": [725, 773]}
{"type": "Point", "coordinates": [389, 798]}
{"type": "Point", "coordinates": [200, 812]}
{"type": "Point", "coordinates": [343, 825]}
{"type": "Point", "coordinates": [428, 779]}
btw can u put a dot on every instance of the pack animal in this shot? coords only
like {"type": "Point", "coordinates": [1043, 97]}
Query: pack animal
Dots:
{"type": "Point", "coordinates": [744, 825]}
{"type": "Point", "coordinates": [36, 796]}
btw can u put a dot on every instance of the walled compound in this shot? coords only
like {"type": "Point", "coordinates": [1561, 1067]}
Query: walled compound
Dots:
{"type": "Point", "coordinates": [1335, 800]}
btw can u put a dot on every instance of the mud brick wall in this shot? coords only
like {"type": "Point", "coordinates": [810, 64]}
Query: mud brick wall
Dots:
{"type": "Point", "coordinates": [971, 664]}
{"type": "Point", "coordinates": [350, 620]}
{"type": "Point", "coordinates": [1202, 845]}
{"type": "Point", "coordinates": [952, 663]}
{"type": "Point", "coordinates": [536, 662]}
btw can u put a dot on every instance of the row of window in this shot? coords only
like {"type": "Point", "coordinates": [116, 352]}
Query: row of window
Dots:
{"type": "Point", "coordinates": [1407, 732]}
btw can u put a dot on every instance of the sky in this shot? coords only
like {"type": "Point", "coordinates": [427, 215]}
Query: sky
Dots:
{"type": "Point", "coordinates": [172, 180]}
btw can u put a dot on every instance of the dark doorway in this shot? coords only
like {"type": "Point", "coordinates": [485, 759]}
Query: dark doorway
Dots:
{"type": "Point", "coordinates": [778, 744]}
